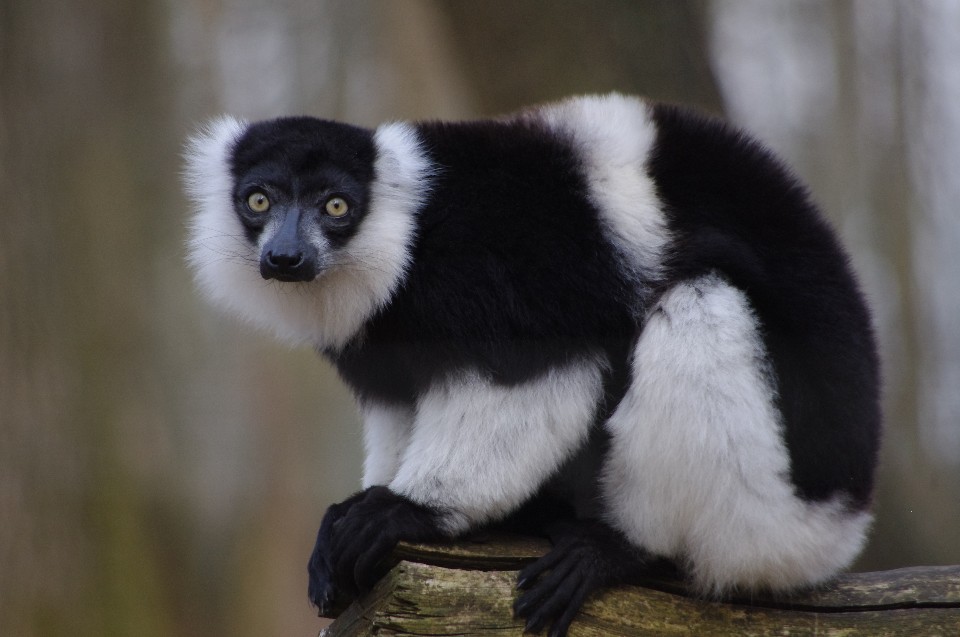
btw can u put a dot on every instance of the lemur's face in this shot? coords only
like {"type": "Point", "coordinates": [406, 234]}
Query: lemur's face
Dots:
{"type": "Point", "coordinates": [323, 209]}
{"type": "Point", "coordinates": [301, 190]}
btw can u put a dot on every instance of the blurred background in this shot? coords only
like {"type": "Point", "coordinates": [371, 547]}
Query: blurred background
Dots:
{"type": "Point", "coordinates": [163, 469]}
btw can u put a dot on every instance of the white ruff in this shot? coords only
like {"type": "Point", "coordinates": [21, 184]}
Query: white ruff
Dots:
{"type": "Point", "coordinates": [614, 134]}
{"type": "Point", "coordinates": [698, 469]}
{"type": "Point", "coordinates": [331, 310]}
{"type": "Point", "coordinates": [479, 450]}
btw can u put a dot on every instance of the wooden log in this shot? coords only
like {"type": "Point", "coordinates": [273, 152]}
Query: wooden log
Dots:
{"type": "Point", "coordinates": [468, 588]}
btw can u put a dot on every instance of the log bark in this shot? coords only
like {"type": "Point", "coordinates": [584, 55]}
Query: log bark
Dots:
{"type": "Point", "coordinates": [468, 588]}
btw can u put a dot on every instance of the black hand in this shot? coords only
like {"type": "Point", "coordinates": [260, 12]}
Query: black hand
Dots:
{"type": "Point", "coordinates": [367, 533]}
{"type": "Point", "coordinates": [321, 588]}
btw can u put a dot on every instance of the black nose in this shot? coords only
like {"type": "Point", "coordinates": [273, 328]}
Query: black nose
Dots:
{"type": "Point", "coordinates": [287, 265]}
{"type": "Point", "coordinates": [284, 262]}
{"type": "Point", "coordinates": [288, 255]}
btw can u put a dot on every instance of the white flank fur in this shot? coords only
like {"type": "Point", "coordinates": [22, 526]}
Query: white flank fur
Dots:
{"type": "Point", "coordinates": [614, 135]}
{"type": "Point", "coordinates": [478, 450]}
{"type": "Point", "coordinates": [331, 310]}
{"type": "Point", "coordinates": [698, 469]}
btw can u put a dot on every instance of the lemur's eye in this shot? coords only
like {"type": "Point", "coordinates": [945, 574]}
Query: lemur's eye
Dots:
{"type": "Point", "coordinates": [258, 202]}
{"type": "Point", "coordinates": [336, 207]}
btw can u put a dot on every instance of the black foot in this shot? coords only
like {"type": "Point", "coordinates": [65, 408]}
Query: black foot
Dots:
{"type": "Point", "coordinates": [355, 538]}
{"type": "Point", "coordinates": [586, 556]}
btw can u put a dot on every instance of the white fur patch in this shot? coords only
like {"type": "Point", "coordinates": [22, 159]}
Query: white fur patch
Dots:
{"type": "Point", "coordinates": [386, 433]}
{"type": "Point", "coordinates": [614, 135]}
{"type": "Point", "coordinates": [698, 469]}
{"type": "Point", "coordinates": [479, 450]}
{"type": "Point", "coordinates": [330, 310]}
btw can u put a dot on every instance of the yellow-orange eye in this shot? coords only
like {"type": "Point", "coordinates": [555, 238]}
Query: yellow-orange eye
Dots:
{"type": "Point", "coordinates": [336, 207]}
{"type": "Point", "coordinates": [258, 202]}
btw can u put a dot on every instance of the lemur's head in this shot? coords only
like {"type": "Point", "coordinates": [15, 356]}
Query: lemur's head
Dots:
{"type": "Point", "coordinates": [323, 211]}
{"type": "Point", "coordinates": [301, 188]}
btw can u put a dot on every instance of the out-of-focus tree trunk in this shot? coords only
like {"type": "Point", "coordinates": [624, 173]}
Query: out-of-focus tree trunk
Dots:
{"type": "Point", "coordinates": [85, 166]}
{"type": "Point", "coordinates": [518, 53]}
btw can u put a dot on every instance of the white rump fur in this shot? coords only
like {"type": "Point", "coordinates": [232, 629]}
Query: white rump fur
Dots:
{"type": "Point", "coordinates": [698, 469]}
{"type": "Point", "coordinates": [478, 450]}
{"type": "Point", "coordinates": [327, 312]}
{"type": "Point", "coordinates": [614, 135]}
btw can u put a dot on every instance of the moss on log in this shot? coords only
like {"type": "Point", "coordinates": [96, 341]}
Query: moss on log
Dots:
{"type": "Point", "coordinates": [468, 588]}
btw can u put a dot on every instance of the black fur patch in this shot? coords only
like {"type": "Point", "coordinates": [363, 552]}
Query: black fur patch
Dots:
{"type": "Point", "coordinates": [510, 273]}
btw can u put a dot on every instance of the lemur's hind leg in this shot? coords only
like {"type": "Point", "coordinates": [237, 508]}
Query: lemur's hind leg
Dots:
{"type": "Point", "coordinates": [699, 467]}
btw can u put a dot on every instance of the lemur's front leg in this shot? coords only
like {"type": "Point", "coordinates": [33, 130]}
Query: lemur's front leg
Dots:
{"type": "Point", "coordinates": [476, 452]}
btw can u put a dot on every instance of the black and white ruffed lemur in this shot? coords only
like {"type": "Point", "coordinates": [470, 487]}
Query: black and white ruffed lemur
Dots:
{"type": "Point", "coordinates": [626, 313]}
